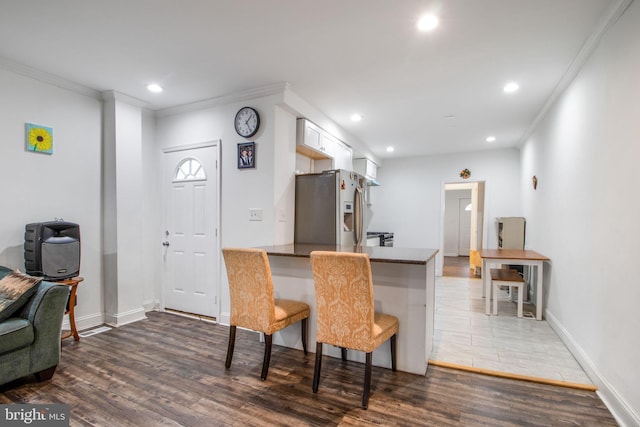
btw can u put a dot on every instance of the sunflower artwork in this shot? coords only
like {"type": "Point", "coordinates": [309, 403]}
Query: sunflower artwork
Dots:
{"type": "Point", "coordinates": [39, 139]}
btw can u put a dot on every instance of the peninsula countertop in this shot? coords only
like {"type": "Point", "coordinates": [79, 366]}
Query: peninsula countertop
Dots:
{"type": "Point", "coordinates": [376, 253]}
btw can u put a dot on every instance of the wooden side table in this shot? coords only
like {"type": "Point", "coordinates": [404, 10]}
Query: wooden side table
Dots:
{"type": "Point", "coordinates": [73, 283]}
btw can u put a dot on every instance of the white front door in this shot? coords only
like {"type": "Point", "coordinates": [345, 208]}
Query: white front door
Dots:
{"type": "Point", "coordinates": [464, 227]}
{"type": "Point", "coordinates": [190, 239]}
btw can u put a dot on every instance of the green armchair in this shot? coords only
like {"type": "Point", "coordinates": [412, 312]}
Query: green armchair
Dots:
{"type": "Point", "coordinates": [30, 339]}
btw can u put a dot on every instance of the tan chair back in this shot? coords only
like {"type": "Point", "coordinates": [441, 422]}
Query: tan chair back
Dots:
{"type": "Point", "coordinates": [250, 288]}
{"type": "Point", "coordinates": [344, 299]}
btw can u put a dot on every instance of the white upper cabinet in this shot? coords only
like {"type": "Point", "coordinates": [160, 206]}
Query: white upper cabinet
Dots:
{"type": "Point", "coordinates": [366, 167]}
{"type": "Point", "coordinates": [328, 144]}
{"type": "Point", "coordinates": [318, 144]}
{"type": "Point", "coordinates": [310, 140]}
{"type": "Point", "coordinates": [342, 157]}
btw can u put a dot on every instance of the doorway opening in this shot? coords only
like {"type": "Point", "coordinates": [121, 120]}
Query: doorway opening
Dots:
{"type": "Point", "coordinates": [462, 228]}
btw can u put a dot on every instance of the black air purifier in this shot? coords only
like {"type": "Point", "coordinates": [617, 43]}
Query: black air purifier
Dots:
{"type": "Point", "coordinates": [52, 249]}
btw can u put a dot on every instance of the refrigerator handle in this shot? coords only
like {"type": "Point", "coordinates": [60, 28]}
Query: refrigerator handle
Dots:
{"type": "Point", "coordinates": [358, 225]}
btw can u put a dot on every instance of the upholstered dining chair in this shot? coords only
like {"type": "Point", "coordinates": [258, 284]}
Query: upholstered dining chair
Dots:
{"type": "Point", "coordinates": [345, 311]}
{"type": "Point", "coordinates": [253, 305]}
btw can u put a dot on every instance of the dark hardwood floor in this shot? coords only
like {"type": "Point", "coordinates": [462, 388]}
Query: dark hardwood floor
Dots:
{"type": "Point", "coordinates": [168, 370]}
{"type": "Point", "coordinates": [457, 266]}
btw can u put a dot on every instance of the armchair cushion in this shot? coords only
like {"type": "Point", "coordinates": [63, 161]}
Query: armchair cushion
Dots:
{"type": "Point", "coordinates": [16, 333]}
{"type": "Point", "coordinates": [15, 290]}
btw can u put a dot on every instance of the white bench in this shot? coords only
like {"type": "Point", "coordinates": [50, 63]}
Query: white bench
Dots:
{"type": "Point", "coordinates": [510, 278]}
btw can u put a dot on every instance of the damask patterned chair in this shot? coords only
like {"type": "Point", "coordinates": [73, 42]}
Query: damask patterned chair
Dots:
{"type": "Point", "coordinates": [252, 302]}
{"type": "Point", "coordinates": [345, 311]}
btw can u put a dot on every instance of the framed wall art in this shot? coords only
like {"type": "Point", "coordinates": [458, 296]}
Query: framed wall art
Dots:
{"type": "Point", "coordinates": [39, 139]}
{"type": "Point", "coordinates": [247, 155]}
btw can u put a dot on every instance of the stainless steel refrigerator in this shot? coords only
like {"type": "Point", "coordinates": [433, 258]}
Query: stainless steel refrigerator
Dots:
{"type": "Point", "coordinates": [330, 208]}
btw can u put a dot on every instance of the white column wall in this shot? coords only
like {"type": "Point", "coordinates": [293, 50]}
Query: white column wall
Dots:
{"type": "Point", "coordinates": [124, 289]}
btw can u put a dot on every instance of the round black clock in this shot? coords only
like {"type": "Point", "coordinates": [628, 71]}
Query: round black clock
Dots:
{"type": "Point", "coordinates": [247, 122]}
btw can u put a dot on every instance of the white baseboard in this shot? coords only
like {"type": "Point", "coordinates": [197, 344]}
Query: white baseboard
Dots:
{"type": "Point", "coordinates": [620, 409]}
{"type": "Point", "coordinates": [84, 322]}
{"type": "Point", "coordinates": [120, 319]}
{"type": "Point", "coordinates": [225, 319]}
{"type": "Point", "coordinates": [151, 305]}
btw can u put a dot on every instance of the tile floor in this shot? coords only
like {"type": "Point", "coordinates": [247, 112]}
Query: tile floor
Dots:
{"type": "Point", "coordinates": [464, 335]}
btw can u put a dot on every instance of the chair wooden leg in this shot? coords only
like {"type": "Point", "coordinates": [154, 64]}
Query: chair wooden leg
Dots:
{"type": "Point", "coordinates": [367, 380]}
{"type": "Point", "coordinates": [393, 346]}
{"type": "Point", "coordinates": [318, 367]}
{"type": "Point", "coordinates": [343, 351]}
{"type": "Point", "coordinates": [232, 342]}
{"type": "Point", "coordinates": [267, 356]}
{"type": "Point", "coordinates": [304, 335]}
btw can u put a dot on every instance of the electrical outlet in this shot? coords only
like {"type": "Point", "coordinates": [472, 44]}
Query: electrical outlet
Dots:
{"type": "Point", "coordinates": [255, 214]}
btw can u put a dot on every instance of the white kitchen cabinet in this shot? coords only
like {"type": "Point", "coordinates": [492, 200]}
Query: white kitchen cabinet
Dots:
{"type": "Point", "coordinates": [327, 151]}
{"type": "Point", "coordinates": [311, 140]}
{"type": "Point", "coordinates": [328, 144]}
{"type": "Point", "coordinates": [366, 168]}
{"type": "Point", "coordinates": [342, 156]}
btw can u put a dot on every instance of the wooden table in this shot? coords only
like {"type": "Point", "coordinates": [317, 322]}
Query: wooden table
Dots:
{"type": "Point", "coordinates": [512, 257]}
{"type": "Point", "coordinates": [73, 283]}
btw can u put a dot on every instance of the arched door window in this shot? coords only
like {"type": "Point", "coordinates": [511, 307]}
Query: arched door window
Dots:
{"type": "Point", "coordinates": [189, 169]}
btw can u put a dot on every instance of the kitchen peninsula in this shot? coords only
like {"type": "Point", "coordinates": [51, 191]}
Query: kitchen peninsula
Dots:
{"type": "Point", "coordinates": [404, 286]}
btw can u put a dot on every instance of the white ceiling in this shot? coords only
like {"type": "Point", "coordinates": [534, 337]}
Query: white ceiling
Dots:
{"type": "Point", "coordinates": [341, 56]}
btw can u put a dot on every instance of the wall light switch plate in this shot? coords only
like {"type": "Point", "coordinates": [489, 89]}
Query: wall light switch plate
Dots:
{"type": "Point", "coordinates": [255, 214]}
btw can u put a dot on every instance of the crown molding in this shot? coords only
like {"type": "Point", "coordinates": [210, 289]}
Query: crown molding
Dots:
{"type": "Point", "coordinates": [259, 92]}
{"type": "Point", "coordinates": [109, 95]}
{"type": "Point", "coordinates": [615, 12]}
{"type": "Point", "coordinates": [48, 78]}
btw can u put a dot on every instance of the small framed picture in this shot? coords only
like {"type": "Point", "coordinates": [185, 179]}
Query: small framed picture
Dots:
{"type": "Point", "coordinates": [247, 155]}
{"type": "Point", "coordinates": [39, 138]}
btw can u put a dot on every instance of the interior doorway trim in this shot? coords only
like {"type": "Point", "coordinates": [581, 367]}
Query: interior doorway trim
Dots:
{"type": "Point", "coordinates": [478, 226]}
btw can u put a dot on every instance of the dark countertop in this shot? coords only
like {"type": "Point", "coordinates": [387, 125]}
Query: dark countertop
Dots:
{"type": "Point", "coordinates": [376, 253]}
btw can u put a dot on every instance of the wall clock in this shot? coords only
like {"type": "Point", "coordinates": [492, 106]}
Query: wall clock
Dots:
{"type": "Point", "coordinates": [247, 122]}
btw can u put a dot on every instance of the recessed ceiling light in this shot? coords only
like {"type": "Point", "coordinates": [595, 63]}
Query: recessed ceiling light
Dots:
{"type": "Point", "coordinates": [356, 117]}
{"type": "Point", "coordinates": [491, 138]}
{"type": "Point", "coordinates": [427, 22]}
{"type": "Point", "coordinates": [511, 87]}
{"type": "Point", "coordinates": [390, 149]}
{"type": "Point", "coordinates": [154, 87]}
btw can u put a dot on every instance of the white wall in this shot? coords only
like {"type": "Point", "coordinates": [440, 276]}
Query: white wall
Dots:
{"type": "Point", "coordinates": [152, 248]}
{"type": "Point", "coordinates": [409, 201]}
{"type": "Point", "coordinates": [584, 214]}
{"type": "Point", "coordinates": [40, 187]}
{"type": "Point", "coordinates": [241, 189]}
